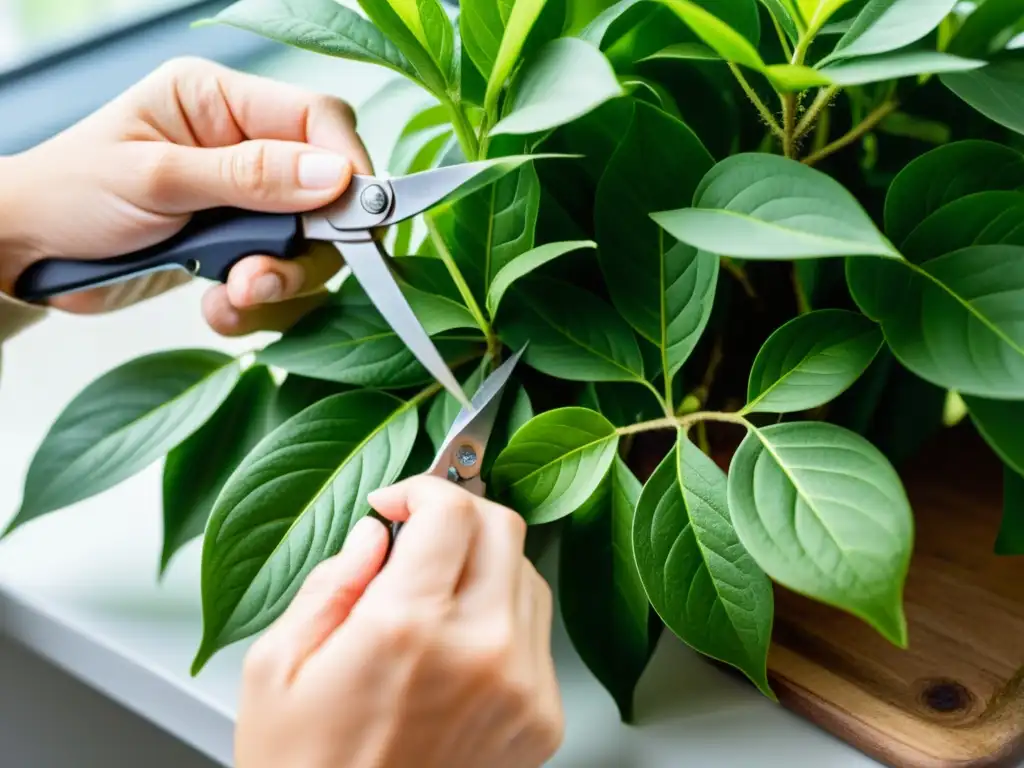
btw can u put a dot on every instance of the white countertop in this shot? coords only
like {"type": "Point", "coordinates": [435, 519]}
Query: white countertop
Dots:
{"type": "Point", "coordinates": [79, 587]}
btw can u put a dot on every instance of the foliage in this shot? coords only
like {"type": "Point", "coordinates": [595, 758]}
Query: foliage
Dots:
{"type": "Point", "coordinates": [783, 225]}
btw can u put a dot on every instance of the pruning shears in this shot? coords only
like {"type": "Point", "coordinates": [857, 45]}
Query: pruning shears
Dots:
{"type": "Point", "coordinates": [214, 241]}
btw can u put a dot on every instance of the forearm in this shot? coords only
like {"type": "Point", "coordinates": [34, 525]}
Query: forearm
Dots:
{"type": "Point", "coordinates": [16, 250]}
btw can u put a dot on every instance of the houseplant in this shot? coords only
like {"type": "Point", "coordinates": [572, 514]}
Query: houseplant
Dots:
{"type": "Point", "coordinates": [777, 247]}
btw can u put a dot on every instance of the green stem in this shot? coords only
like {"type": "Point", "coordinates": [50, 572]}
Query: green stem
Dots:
{"type": "Point", "coordinates": [460, 283]}
{"type": "Point", "coordinates": [765, 113]}
{"type": "Point", "coordinates": [463, 131]}
{"type": "Point", "coordinates": [657, 395]}
{"type": "Point", "coordinates": [783, 40]}
{"type": "Point", "coordinates": [788, 123]}
{"type": "Point", "coordinates": [857, 132]}
{"type": "Point", "coordinates": [824, 98]}
{"type": "Point", "coordinates": [683, 422]}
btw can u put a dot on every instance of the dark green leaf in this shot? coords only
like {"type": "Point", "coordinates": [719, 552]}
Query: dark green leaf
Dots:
{"type": "Point", "coordinates": [983, 218]}
{"type": "Point", "coordinates": [988, 28]}
{"type": "Point", "coordinates": [297, 393]}
{"type": "Point", "coordinates": [443, 410]}
{"type": "Point", "coordinates": [945, 174]}
{"type": "Point", "coordinates": [760, 206]}
{"type": "Point", "coordinates": [956, 320]}
{"type": "Point", "coordinates": [440, 38]}
{"type": "Point", "coordinates": [427, 273]}
{"type": "Point", "coordinates": [321, 26]}
{"type": "Point", "coordinates": [196, 470]}
{"type": "Point", "coordinates": [1010, 540]}
{"type": "Point", "coordinates": [525, 263]}
{"type": "Point", "coordinates": [554, 463]}
{"type": "Point", "coordinates": [121, 423]}
{"type": "Point", "coordinates": [543, 97]}
{"type": "Point", "coordinates": [572, 334]}
{"type": "Point", "coordinates": [623, 404]}
{"type": "Point", "coordinates": [811, 360]}
{"type": "Point", "coordinates": [698, 576]}
{"type": "Point", "coordinates": [997, 91]}
{"type": "Point", "coordinates": [603, 603]}
{"type": "Point", "coordinates": [784, 13]}
{"type": "Point", "coordinates": [348, 341]}
{"type": "Point", "coordinates": [824, 514]}
{"type": "Point", "coordinates": [291, 504]}
{"type": "Point", "coordinates": [664, 292]}
{"type": "Point", "coordinates": [999, 422]}
{"type": "Point", "coordinates": [888, 25]}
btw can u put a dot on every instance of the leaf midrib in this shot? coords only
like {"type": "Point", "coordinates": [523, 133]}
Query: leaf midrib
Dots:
{"type": "Point", "coordinates": [356, 449]}
{"type": "Point", "coordinates": [562, 458]}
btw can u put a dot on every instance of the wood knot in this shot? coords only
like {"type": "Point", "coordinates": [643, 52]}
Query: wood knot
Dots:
{"type": "Point", "coordinates": [945, 697]}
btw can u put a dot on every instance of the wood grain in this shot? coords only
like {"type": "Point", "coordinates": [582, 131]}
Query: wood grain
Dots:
{"type": "Point", "coordinates": [955, 697]}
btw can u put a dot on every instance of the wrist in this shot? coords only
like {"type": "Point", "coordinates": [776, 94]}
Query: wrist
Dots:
{"type": "Point", "coordinates": [18, 248]}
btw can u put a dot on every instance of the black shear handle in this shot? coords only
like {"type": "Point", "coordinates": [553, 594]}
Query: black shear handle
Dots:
{"type": "Point", "coordinates": [210, 244]}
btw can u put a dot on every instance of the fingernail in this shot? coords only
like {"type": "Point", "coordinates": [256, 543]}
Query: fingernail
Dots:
{"type": "Point", "coordinates": [318, 170]}
{"type": "Point", "coordinates": [362, 539]}
{"type": "Point", "coordinates": [266, 288]}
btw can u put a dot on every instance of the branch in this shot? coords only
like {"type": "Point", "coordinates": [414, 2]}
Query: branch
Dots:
{"type": "Point", "coordinates": [788, 123]}
{"type": "Point", "coordinates": [857, 132]}
{"type": "Point", "coordinates": [683, 422]}
{"type": "Point", "coordinates": [765, 113]}
{"type": "Point", "coordinates": [825, 95]}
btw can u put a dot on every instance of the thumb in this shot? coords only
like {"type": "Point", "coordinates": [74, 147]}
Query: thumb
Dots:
{"type": "Point", "coordinates": [259, 175]}
{"type": "Point", "coordinates": [328, 595]}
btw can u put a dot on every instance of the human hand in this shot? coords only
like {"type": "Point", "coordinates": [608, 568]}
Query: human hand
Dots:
{"type": "Point", "coordinates": [191, 136]}
{"type": "Point", "coordinates": [440, 660]}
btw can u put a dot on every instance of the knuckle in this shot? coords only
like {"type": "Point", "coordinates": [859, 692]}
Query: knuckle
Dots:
{"type": "Point", "coordinates": [247, 168]}
{"type": "Point", "coordinates": [182, 66]}
{"type": "Point", "coordinates": [550, 730]}
{"type": "Point", "coordinates": [399, 629]}
{"type": "Point", "coordinates": [512, 521]}
{"type": "Point", "coordinates": [261, 663]}
{"type": "Point", "coordinates": [491, 649]}
{"type": "Point", "coordinates": [338, 106]}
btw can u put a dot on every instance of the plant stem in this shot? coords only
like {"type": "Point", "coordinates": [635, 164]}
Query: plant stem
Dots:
{"type": "Point", "coordinates": [783, 40]}
{"type": "Point", "coordinates": [460, 283]}
{"type": "Point", "coordinates": [463, 131]}
{"type": "Point", "coordinates": [657, 395]}
{"type": "Point", "coordinates": [855, 133]}
{"type": "Point", "coordinates": [824, 97]}
{"type": "Point", "coordinates": [788, 123]}
{"type": "Point", "coordinates": [740, 274]}
{"type": "Point", "coordinates": [765, 113]}
{"type": "Point", "coordinates": [683, 422]}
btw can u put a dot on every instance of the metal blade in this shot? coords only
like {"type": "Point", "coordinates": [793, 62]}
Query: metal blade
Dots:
{"type": "Point", "coordinates": [421, 191]}
{"type": "Point", "coordinates": [369, 267]}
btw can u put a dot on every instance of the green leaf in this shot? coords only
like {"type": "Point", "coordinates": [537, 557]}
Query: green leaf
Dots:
{"type": "Point", "coordinates": [760, 206]}
{"type": "Point", "coordinates": [554, 463]}
{"type": "Point", "coordinates": [543, 97]}
{"type": "Point", "coordinates": [1010, 540]}
{"type": "Point", "coordinates": [197, 469]}
{"type": "Point", "coordinates": [997, 91]}
{"type": "Point", "coordinates": [795, 77]}
{"type": "Point", "coordinates": [988, 28]}
{"type": "Point", "coordinates": [698, 576]}
{"type": "Point", "coordinates": [428, 274]}
{"type": "Point", "coordinates": [684, 52]}
{"type": "Point", "coordinates": [513, 413]}
{"type": "Point", "coordinates": [297, 393]}
{"type": "Point", "coordinates": [718, 35]}
{"type": "Point", "coordinates": [438, 34]}
{"type": "Point", "coordinates": [488, 229]}
{"type": "Point", "coordinates": [888, 25]}
{"type": "Point", "coordinates": [664, 292]}
{"type": "Point", "coordinates": [825, 515]}
{"type": "Point", "coordinates": [817, 12]}
{"type": "Point", "coordinates": [892, 66]}
{"type": "Point", "coordinates": [406, 33]}
{"type": "Point", "coordinates": [445, 408]}
{"type": "Point", "coordinates": [572, 334]}
{"type": "Point", "coordinates": [984, 218]}
{"type": "Point", "coordinates": [525, 263]}
{"type": "Point", "coordinates": [518, 25]}
{"type": "Point", "coordinates": [291, 504]}
{"type": "Point", "coordinates": [320, 26]}
{"type": "Point", "coordinates": [653, 22]}
{"type": "Point", "coordinates": [945, 174]}
{"type": "Point", "coordinates": [784, 13]}
{"type": "Point", "coordinates": [348, 341]}
{"type": "Point", "coordinates": [603, 603]}
{"type": "Point", "coordinates": [998, 421]}
{"type": "Point", "coordinates": [811, 360]}
{"type": "Point", "coordinates": [121, 423]}
{"type": "Point", "coordinates": [956, 320]}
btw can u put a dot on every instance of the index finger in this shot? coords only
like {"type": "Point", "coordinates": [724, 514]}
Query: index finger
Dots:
{"type": "Point", "coordinates": [441, 525]}
{"type": "Point", "coordinates": [222, 107]}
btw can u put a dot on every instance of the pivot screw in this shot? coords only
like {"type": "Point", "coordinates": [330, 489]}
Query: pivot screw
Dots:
{"type": "Point", "coordinates": [453, 474]}
{"type": "Point", "coordinates": [465, 455]}
{"type": "Point", "coordinates": [374, 199]}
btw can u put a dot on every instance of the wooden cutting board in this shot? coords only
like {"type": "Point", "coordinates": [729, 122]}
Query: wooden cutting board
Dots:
{"type": "Point", "coordinates": [955, 696]}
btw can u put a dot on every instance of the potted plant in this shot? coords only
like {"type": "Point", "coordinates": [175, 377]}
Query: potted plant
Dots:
{"type": "Point", "coordinates": [753, 232]}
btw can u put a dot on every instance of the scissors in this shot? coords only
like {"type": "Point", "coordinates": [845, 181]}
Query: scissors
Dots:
{"type": "Point", "coordinates": [215, 240]}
